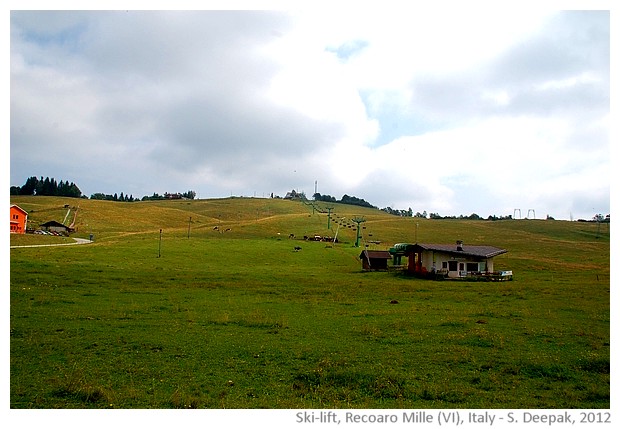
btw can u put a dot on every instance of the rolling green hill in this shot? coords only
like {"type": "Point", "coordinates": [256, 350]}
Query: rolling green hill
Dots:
{"type": "Point", "coordinates": [528, 241]}
{"type": "Point", "coordinates": [222, 311]}
{"type": "Point", "coordinates": [259, 217]}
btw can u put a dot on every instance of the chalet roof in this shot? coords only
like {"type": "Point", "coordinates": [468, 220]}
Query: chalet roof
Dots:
{"type": "Point", "coordinates": [464, 249]}
{"type": "Point", "coordinates": [450, 249]}
{"type": "Point", "coordinates": [19, 208]}
{"type": "Point", "coordinates": [375, 254]}
{"type": "Point", "coordinates": [53, 223]}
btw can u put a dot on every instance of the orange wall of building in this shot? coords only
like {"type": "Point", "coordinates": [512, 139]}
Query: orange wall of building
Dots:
{"type": "Point", "coordinates": [18, 220]}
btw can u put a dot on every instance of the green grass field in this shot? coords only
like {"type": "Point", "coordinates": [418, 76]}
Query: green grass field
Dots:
{"type": "Point", "coordinates": [234, 317]}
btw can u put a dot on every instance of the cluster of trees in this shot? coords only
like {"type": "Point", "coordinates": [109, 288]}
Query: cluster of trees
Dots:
{"type": "Point", "coordinates": [324, 198]}
{"type": "Point", "coordinates": [50, 187]}
{"type": "Point", "coordinates": [293, 195]}
{"type": "Point", "coordinates": [508, 217]}
{"type": "Point", "coordinates": [189, 195]}
{"type": "Point", "coordinates": [598, 218]}
{"type": "Point", "coordinates": [409, 213]}
{"type": "Point", "coordinates": [397, 212]}
{"type": "Point", "coordinates": [346, 199]}
{"type": "Point", "coordinates": [47, 186]}
{"type": "Point", "coordinates": [115, 197]}
{"type": "Point", "coordinates": [473, 216]}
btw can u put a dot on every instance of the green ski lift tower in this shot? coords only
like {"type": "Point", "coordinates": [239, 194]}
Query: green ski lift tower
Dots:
{"type": "Point", "coordinates": [358, 221]}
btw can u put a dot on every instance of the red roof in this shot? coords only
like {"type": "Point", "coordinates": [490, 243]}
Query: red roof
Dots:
{"type": "Point", "coordinates": [19, 208]}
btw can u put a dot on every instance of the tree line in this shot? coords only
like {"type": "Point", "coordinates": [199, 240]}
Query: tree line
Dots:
{"type": "Point", "coordinates": [50, 187]}
{"type": "Point", "coordinates": [189, 195]}
{"type": "Point", "coordinates": [47, 186]}
{"type": "Point", "coordinates": [114, 197]}
{"type": "Point", "coordinates": [346, 199]}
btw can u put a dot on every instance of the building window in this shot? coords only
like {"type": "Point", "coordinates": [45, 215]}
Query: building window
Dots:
{"type": "Point", "coordinates": [472, 266]}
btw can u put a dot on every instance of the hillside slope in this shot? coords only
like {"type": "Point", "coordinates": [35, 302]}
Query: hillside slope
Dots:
{"type": "Point", "coordinates": [225, 312]}
{"type": "Point", "coordinates": [527, 241]}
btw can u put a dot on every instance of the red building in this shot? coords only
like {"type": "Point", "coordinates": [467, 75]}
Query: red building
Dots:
{"type": "Point", "coordinates": [19, 217]}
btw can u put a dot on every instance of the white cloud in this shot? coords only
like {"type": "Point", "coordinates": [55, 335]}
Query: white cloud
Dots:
{"type": "Point", "coordinates": [454, 112]}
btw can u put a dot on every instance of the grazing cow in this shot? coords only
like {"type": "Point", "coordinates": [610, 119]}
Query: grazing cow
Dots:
{"type": "Point", "coordinates": [297, 248]}
{"type": "Point", "coordinates": [291, 236]}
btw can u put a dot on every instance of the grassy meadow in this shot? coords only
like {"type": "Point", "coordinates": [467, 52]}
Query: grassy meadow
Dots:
{"type": "Point", "coordinates": [222, 312]}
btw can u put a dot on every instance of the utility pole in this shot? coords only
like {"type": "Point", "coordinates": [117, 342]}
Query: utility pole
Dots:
{"type": "Point", "coordinates": [159, 250]}
{"type": "Point", "coordinates": [189, 226]}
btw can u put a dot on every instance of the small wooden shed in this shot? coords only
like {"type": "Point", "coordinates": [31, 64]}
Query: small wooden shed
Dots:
{"type": "Point", "coordinates": [373, 260]}
{"type": "Point", "coordinates": [53, 226]}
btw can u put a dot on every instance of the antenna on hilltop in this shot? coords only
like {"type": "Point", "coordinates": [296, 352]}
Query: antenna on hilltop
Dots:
{"type": "Point", "coordinates": [514, 215]}
{"type": "Point", "coordinates": [533, 212]}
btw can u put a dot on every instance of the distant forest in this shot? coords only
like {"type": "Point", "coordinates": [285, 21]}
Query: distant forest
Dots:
{"type": "Point", "coordinates": [346, 199]}
{"type": "Point", "coordinates": [50, 187]}
{"type": "Point", "coordinates": [47, 186]}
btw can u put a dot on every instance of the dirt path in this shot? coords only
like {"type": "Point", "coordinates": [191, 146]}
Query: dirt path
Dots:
{"type": "Point", "coordinates": [77, 241]}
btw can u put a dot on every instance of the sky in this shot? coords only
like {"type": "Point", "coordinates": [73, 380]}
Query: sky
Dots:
{"type": "Point", "coordinates": [443, 110]}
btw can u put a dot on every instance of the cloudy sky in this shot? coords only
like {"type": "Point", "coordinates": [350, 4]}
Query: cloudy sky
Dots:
{"type": "Point", "coordinates": [445, 111]}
